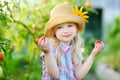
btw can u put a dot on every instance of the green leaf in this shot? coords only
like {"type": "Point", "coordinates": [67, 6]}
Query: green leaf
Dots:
{"type": "Point", "coordinates": [1, 5]}
{"type": "Point", "coordinates": [5, 2]}
{"type": "Point", "coordinates": [2, 16]}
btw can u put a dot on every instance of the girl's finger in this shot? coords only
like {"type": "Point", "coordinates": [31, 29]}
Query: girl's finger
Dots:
{"type": "Point", "coordinates": [95, 45]}
{"type": "Point", "coordinates": [41, 39]}
{"type": "Point", "coordinates": [102, 44]}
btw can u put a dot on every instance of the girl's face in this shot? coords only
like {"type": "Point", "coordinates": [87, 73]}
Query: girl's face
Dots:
{"type": "Point", "coordinates": [66, 32]}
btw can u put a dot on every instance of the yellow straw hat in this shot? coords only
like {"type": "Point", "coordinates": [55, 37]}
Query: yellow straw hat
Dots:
{"type": "Point", "coordinates": [60, 14]}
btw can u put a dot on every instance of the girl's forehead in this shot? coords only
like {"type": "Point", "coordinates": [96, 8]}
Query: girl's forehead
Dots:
{"type": "Point", "coordinates": [68, 23]}
{"type": "Point", "coordinates": [65, 24]}
{"type": "Point", "coordinates": [61, 25]}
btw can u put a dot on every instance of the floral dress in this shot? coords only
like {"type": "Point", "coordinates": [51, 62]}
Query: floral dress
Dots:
{"type": "Point", "coordinates": [66, 67]}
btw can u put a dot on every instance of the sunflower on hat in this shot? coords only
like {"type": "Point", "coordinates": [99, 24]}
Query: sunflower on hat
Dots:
{"type": "Point", "coordinates": [81, 13]}
{"type": "Point", "coordinates": [63, 13]}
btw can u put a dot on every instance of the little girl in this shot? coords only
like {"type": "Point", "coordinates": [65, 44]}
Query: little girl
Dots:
{"type": "Point", "coordinates": [61, 46]}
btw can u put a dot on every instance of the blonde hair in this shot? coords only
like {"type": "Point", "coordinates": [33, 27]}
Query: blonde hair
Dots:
{"type": "Point", "coordinates": [76, 52]}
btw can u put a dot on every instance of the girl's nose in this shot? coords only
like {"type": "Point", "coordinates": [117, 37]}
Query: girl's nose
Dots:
{"type": "Point", "coordinates": [66, 30]}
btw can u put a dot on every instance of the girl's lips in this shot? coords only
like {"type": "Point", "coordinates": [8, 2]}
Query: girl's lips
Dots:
{"type": "Point", "coordinates": [66, 35]}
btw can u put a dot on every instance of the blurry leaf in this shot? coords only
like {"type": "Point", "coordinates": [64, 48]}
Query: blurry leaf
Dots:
{"type": "Point", "coordinates": [1, 5]}
{"type": "Point", "coordinates": [3, 20]}
{"type": "Point", "coordinates": [5, 2]}
{"type": "Point", "coordinates": [2, 16]}
{"type": "Point", "coordinates": [113, 45]}
{"type": "Point", "coordinates": [92, 10]}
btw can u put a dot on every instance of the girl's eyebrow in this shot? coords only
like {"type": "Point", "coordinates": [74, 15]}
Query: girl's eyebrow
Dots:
{"type": "Point", "coordinates": [60, 26]}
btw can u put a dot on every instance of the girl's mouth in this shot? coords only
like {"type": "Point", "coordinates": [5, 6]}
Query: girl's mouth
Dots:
{"type": "Point", "coordinates": [67, 35]}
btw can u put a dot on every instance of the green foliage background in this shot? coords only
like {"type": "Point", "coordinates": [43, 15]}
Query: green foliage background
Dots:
{"type": "Point", "coordinates": [112, 50]}
{"type": "Point", "coordinates": [23, 21]}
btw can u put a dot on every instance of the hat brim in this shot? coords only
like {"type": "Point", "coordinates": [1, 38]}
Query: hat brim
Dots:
{"type": "Point", "coordinates": [56, 20]}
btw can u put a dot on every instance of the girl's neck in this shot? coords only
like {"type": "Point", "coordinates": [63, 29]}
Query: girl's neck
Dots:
{"type": "Point", "coordinates": [67, 43]}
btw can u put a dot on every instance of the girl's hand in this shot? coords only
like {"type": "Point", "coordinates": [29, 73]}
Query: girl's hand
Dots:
{"type": "Point", "coordinates": [43, 43]}
{"type": "Point", "coordinates": [99, 46]}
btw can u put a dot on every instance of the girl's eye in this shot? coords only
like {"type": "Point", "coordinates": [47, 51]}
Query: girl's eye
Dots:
{"type": "Point", "coordinates": [59, 27]}
{"type": "Point", "coordinates": [70, 25]}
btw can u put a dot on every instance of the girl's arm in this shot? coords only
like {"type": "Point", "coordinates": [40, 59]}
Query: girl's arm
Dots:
{"type": "Point", "coordinates": [51, 64]}
{"type": "Point", "coordinates": [50, 61]}
{"type": "Point", "coordinates": [83, 69]}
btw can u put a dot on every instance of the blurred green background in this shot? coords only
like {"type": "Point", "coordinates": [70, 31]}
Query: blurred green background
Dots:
{"type": "Point", "coordinates": [23, 21]}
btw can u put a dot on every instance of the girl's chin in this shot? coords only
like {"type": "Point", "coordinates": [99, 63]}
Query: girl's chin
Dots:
{"type": "Point", "coordinates": [66, 41]}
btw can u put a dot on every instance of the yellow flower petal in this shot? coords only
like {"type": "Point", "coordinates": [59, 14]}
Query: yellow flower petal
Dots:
{"type": "Point", "coordinates": [76, 8]}
{"type": "Point", "coordinates": [85, 20]}
{"type": "Point", "coordinates": [81, 9]}
{"type": "Point", "coordinates": [85, 12]}
{"type": "Point", "coordinates": [73, 11]}
{"type": "Point", "coordinates": [80, 13]}
{"type": "Point", "coordinates": [86, 16]}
